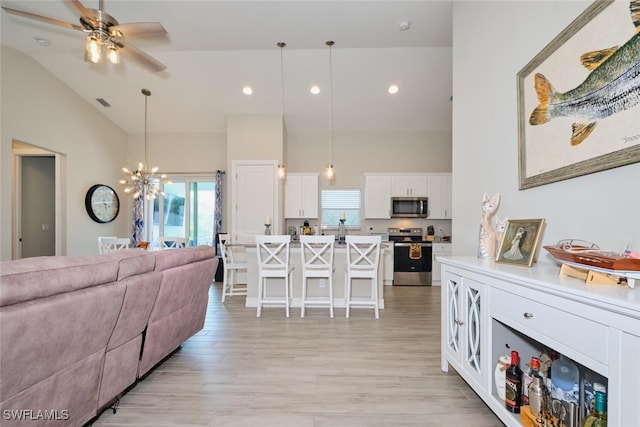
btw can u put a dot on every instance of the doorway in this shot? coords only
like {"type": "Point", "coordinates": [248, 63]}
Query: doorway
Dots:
{"type": "Point", "coordinates": [37, 200]}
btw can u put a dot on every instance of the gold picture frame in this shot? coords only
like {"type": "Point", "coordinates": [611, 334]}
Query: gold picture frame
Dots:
{"type": "Point", "coordinates": [519, 242]}
{"type": "Point", "coordinates": [556, 139]}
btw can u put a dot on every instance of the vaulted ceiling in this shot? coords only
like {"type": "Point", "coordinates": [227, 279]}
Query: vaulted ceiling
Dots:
{"type": "Point", "coordinates": [214, 48]}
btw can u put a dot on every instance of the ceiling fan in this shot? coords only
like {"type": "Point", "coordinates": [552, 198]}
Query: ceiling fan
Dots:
{"type": "Point", "coordinates": [105, 33]}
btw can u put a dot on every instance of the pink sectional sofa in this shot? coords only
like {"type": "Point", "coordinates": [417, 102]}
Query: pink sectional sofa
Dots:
{"type": "Point", "coordinates": [77, 332]}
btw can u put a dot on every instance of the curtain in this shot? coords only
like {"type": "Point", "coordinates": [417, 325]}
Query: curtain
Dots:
{"type": "Point", "coordinates": [217, 216]}
{"type": "Point", "coordinates": [138, 217]}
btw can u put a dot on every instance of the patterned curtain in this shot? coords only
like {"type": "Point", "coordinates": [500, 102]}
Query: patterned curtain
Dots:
{"type": "Point", "coordinates": [217, 215]}
{"type": "Point", "coordinates": [138, 217]}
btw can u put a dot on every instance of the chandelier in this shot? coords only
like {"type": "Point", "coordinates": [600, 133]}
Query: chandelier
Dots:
{"type": "Point", "coordinates": [281, 45]}
{"type": "Point", "coordinates": [142, 181]}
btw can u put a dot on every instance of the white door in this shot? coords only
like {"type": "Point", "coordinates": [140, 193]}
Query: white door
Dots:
{"type": "Point", "coordinates": [254, 198]}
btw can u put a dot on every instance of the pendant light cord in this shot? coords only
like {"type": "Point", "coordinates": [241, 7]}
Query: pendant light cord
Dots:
{"type": "Point", "coordinates": [146, 93]}
{"type": "Point", "coordinates": [330, 44]}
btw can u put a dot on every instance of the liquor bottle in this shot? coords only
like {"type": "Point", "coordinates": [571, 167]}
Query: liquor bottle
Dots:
{"type": "Point", "coordinates": [527, 377]}
{"type": "Point", "coordinates": [513, 385]}
{"type": "Point", "coordinates": [599, 417]}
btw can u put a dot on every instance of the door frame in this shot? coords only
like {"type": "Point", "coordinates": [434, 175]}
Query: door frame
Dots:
{"type": "Point", "coordinates": [16, 198]}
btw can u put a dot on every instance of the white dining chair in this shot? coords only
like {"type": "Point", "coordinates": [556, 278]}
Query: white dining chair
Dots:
{"type": "Point", "coordinates": [112, 244]}
{"type": "Point", "coordinates": [273, 263]}
{"type": "Point", "coordinates": [363, 257]}
{"type": "Point", "coordinates": [169, 242]}
{"type": "Point", "coordinates": [231, 268]}
{"type": "Point", "coordinates": [100, 244]}
{"type": "Point", "coordinates": [317, 262]}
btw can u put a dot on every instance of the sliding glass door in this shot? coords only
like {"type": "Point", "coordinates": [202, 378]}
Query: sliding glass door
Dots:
{"type": "Point", "coordinates": [187, 209]}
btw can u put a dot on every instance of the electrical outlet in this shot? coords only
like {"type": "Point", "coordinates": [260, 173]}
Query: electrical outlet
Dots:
{"type": "Point", "coordinates": [323, 283]}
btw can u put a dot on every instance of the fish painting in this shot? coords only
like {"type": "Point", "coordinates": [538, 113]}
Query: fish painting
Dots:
{"type": "Point", "coordinates": [612, 86]}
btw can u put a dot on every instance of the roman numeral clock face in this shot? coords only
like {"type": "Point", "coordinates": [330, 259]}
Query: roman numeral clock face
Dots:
{"type": "Point", "coordinates": [102, 203]}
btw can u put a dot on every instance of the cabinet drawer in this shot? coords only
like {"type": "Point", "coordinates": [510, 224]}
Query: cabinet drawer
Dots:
{"type": "Point", "coordinates": [442, 248]}
{"type": "Point", "coordinates": [580, 334]}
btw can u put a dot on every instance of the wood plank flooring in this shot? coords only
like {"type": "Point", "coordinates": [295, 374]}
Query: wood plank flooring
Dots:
{"type": "Point", "coordinates": [314, 372]}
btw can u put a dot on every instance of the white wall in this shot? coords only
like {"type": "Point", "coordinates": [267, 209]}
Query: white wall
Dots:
{"type": "Point", "coordinates": [38, 109]}
{"type": "Point", "coordinates": [492, 42]}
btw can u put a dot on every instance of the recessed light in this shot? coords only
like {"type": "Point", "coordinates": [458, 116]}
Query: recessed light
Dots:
{"type": "Point", "coordinates": [393, 89]}
{"type": "Point", "coordinates": [247, 90]}
{"type": "Point", "coordinates": [315, 90]}
{"type": "Point", "coordinates": [42, 42]}
{"type": "Point", "coordinates": [404, 26]}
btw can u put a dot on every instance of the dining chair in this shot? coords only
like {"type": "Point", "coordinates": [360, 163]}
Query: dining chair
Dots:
{"type": "Point", "coordinates": [231, 268]}
{"type": "Point", "coordinates": [363, 257]}
{"type": "Point", "coordinates": [317, 262]}
{"type": "Point", "coordinates": [112, 244]}
{"type": "Point", "coordinates": [168, 242]}
{"type": "Point", "coordinates": [273, 263]}
{"type": "Point", "coordinates": [100, 244]}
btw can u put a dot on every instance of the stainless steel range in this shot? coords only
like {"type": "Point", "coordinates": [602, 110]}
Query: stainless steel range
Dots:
{"type": "Point", "coordinates": [412, 257]}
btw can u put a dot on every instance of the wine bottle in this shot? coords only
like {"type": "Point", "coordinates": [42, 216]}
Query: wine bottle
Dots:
{"type": "Point", "coordinates": [599, 417]}
{"type": "Point", "coordinates": [513, 384]}
{"type": "Point", "coordinates": [527, 377]}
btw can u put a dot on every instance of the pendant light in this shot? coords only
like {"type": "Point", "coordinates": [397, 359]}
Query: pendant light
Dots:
{"type": "Point", "coordinates": [143, 182]}
{"type": "Point", "coordinates": [281, 45]}
{"type": "Point", "coordinates": [329, 169]}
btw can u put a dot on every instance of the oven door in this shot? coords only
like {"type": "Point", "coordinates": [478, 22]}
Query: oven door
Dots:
{"type": "Point", "coordinates": [412, 264]}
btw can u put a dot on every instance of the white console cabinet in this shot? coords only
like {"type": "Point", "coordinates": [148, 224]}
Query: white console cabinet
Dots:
{"type": "Point", "coordinates": [489, 308]}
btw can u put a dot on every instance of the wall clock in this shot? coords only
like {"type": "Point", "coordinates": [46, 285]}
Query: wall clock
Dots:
{"type": "Point", "coordinates": [102, 203]}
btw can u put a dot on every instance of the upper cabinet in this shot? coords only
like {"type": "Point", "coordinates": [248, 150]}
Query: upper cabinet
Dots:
{"type": "Point", "coordinates": [379, 188]}
{"type": "Point", "coordinates": [301, 195]}
{"type": "Point", "coordinates": [409, 185]}
{"type": "Point", "coordinates": [439, 196]}
{"type": "Point", "coordinates": [377, 196]}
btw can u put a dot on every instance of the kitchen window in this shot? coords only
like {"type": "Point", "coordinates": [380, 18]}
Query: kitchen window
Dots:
{"type": "Point", "coordinates": [334, 202]}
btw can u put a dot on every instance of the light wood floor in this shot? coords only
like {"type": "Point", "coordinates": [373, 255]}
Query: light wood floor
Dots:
{"type": "Point", "coordinates": [312, 372]}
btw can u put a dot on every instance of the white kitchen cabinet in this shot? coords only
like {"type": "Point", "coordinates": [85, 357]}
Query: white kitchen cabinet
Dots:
{"type": "Point", "coordinates": [301, 196]}
{"type": "Point", "coordinates": [377, 197]}
{"type": "Point", "coordinates": [438, 249]}
{"type": "Point", "coordinates": [409, 185]}
{"type": "Point", "coordinates": [531, 310]}
{"type": "Point", "coordinates": [464, 328]}
{"type": "Point", "coordinates": [439, 194]}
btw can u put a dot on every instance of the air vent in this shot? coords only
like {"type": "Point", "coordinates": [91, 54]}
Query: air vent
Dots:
{"type": "Point", "coordinates": [103, 102]}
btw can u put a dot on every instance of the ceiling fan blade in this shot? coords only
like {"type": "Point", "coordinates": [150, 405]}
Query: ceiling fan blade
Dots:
{"type": "Point", "coordinates": [137, 30]}
{"type": "Point", "coordinates": [41, 18]}
{"type": "Point", "coordinates": [78, 8]}
{"type": "Point", "coordinates": [138, 55]}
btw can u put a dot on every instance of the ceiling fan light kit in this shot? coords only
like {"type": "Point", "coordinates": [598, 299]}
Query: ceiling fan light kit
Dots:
{"type": "Point", "coordinates": [105, 34]}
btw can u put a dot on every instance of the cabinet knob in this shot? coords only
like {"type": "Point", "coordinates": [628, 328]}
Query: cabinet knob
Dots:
{"type": "Point", "coordinates": [527, 315]}
{"type": "Point", "coordinates": [459, 322]}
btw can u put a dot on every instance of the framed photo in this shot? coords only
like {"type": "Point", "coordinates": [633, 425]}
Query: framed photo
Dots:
{"type": "Point", "coordinates": [520, 241]}
{"type": "Point", "coordinates": [578, 102]}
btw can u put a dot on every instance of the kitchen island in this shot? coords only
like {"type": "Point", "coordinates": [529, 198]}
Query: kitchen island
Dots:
{"type": "Point", "coordinates": [316, 287]}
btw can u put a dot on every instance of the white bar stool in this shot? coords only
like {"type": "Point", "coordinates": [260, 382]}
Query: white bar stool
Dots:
{"type": "Point", "coordinates": [230, 285]}
{"type": "Point", "coordinates": [273, 263]}
{"type": "Point", "coordinates": [317, 262]}
{"type": "Point", "coordinates": [363, 257]}
{"type": "Point", "coordinates": [168, 242]}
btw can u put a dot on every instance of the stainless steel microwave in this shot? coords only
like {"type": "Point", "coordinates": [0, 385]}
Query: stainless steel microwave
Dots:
{"type": "Point", "coordinates": [409, 207]}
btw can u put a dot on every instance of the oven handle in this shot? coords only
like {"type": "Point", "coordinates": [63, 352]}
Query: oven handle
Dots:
{"type": "Point", "coordinates": [407, 244]}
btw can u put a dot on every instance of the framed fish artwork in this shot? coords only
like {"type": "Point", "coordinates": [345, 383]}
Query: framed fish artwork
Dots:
{"type": "Point", "coordinates": [579, 98]}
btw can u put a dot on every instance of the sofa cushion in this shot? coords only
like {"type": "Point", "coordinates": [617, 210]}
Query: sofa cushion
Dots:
{"type": "Point", "coordinates": [173, 258]}
{"type": "Point", "coordinates": [31, 278]}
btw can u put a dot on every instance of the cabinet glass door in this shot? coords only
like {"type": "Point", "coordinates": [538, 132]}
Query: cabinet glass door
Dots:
{"type": "Point", "coordinates": [473, 304]}
{"type": "Point", "coordinates": [453, 321]}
